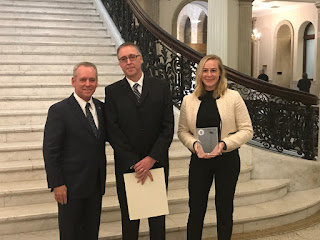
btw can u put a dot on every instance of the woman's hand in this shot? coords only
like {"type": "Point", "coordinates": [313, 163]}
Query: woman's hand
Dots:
{"type": "Point", "coordinates": [215, 152]}
{"type": "Point", "coordinates": [199, 150]}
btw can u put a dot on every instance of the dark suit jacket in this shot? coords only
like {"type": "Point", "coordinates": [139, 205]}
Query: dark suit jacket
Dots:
{"type": "Point", "coordinates": [73, 155]}
{"type": "Point", "coordinates": [136, 130]}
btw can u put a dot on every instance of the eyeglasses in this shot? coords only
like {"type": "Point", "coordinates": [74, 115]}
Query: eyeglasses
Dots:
{"type": "Point", "coordinates": [130, 57]}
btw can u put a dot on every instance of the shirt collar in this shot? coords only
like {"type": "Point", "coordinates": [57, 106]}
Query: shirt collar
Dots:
{"type": "Point", "coordinates": [140, 81]}
{"type": "Point", "coordinates": [82, 102]}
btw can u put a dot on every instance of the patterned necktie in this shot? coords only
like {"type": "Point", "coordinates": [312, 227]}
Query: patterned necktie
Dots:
{"type": "Point", "coordinates": [136, 91]}
{"type": "Point", "coordinates": [91, 121]}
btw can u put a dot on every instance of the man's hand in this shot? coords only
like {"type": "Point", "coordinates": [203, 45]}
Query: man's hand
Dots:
{"type": "Point", "coordinates": [142, 169]}
{"type": "Point", "coordinates": [60, 194]}
{"type": "Point", "coordinates": [143, 177]}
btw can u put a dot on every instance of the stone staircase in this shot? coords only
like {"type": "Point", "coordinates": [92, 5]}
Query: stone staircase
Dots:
{"type": "Point", "coordinates": [40, 41]}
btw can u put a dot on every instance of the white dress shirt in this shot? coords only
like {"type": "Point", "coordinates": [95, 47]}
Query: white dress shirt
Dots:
{"type": "Point", "coordinates": [140, 82]}
{"type": "Point", "coordinates": [92, 108]}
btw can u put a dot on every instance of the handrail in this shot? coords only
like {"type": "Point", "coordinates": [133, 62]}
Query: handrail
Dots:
{"type": "Point", "coordinates": [233, 75]}
{"type": "Point", "coordinates": [265, 87]}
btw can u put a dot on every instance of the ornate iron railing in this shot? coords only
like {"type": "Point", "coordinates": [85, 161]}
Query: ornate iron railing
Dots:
{"type": "Point", "coordinates": [282, 118]}
{"type": "Point", "coordinates": [281, 123]}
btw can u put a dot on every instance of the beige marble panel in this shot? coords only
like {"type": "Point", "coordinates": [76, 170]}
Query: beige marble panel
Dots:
{"type": "Point", "coordinates": [304, 174]}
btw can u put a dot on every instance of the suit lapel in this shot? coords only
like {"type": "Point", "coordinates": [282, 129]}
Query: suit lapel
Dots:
{"type": "Point", "coordinates": [100, 116]}
{"type": "Point", "coordinates": [128, 90]}
{"type": "Point", "coordinates": [99, 112]}
{"type": "Point", "coordinates": [145, 88]}
{"type": "Point", "coordinates": [79, 114]}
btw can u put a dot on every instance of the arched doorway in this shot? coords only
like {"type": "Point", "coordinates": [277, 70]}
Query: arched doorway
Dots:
{"type": "Point", "coordinates": [309, 50]}
{"type": "Point", "coordinates": [283, 54]}
{"type": "Point", "coordinates": [195, 12]}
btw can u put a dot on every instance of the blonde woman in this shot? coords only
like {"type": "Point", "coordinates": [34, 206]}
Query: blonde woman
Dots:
{"type": "Point", "coordinates": [213, 105]}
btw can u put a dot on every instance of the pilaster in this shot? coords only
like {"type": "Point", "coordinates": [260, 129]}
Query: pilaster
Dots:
{"type": "Point", "coordinates": [317, 62]}
{"type": "Point", "coordinates": [217, 42]}
{"type": "Point", "coordinates": [245, 28]}
{"type": "Point", "coordinates": [317, 48]}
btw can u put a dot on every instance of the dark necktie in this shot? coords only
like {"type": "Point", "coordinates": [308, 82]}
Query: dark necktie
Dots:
{"type": "Point", "coordinates": [136, 91]}
{"type": "Point", "coordinates": [91, 121]}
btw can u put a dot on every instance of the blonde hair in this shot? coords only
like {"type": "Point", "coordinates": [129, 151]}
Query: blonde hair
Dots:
{"type": "Point", "coordinates": [222, 82]}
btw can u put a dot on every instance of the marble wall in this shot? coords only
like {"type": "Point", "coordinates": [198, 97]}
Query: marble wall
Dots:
{"type": "Point", "coordinates": [304, 174]}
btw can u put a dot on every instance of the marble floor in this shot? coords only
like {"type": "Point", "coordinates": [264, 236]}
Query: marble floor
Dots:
{"type": "Point", "coordinates": [306, 229]}
{"type": "Point", "coordinates": [309, 233]}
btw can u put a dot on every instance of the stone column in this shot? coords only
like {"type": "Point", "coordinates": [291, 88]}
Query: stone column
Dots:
{"type": "Point", "coordinates": [245, 28]}
{"type": "Point", "coordinates": [217, 41]}
{"type": "Point", "coordinates": [316, 77]}
{"type": "Point", "coordinates": [317, 49]}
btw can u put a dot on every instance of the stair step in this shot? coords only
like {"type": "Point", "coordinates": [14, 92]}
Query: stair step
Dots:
{"type": "Point", "coordinates": [20, 162]}
{"type": "Point", "coordinates": [47, 4]}
{"type": "Point", "coordinates": [58, 17]}
{"type": "Point", "coordinates": [176, 151]}
{"type": "Point", "coordinates": [16, 157]}
{"type": "Point", "coordinates": [22, 133]}
{"type": "Point", "coordinates": [47, 68]}
{"type": "Point", "coordinates": [33, 102]}
{"type": "Point", "coordinates": [52, 55]}
{"type": "Point", "coordinates": [58, 78]}
{"type": "Point", "coordinates": [8, 68]}
{"type": "Point", "coordinates": [23, 117]}
{"type": "Point", "coordinates": [57, 1]}
{"type": "Point", "coordinates": [54, 38]}
{"type": "Point", "coordinates": [44, 91]}
{"type": "Point", "coordinates": [292, 207]}
{"type": "Point", "coordinates": [15, 49]}
{"type": "Point", "coordinates": [55, 57]}
{"type": "Point", "coordinates": [48, 10]}
{"type": "Point", "coordinates": [48, 22]}
{"type": "Point", "coordinates": [30, 192]}
{"type": "Point", "coordinates": [58, 44]}
{"type": "Point", "coordinates": [63, 31]}
{"type": "Point", "coordinates": [246, 218]}
{"type": "Point", "coordinates": [36, 191]}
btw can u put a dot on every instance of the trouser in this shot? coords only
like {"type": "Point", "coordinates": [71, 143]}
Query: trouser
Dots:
{"type": "Point", "coordinates": [224, 169]}
{"type": "Point", "coordinates": [130, 228]}
{"type": "Point", "coordinates": [79, 219]}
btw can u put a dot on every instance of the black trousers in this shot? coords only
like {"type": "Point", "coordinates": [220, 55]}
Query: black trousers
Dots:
{"type": "Point", "coordinates": [130, 228]}
{"type": "Point", "coordinates": [79, 219]}
{"type": "Point", "coordinates": [225, 170]}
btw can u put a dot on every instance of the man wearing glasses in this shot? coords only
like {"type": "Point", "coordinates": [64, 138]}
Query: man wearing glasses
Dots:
{"type": "Point", "coordinates": [140, 124]}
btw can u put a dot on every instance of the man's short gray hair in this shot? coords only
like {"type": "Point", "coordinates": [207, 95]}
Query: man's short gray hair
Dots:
{"type": "Point", "coordinates": [86, 64]}
{"type": "Point", "coordinates": [126, 44]}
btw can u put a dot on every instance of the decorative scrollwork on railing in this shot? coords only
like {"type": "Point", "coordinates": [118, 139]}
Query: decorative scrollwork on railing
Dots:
{"type": "Point", "coordinates": [278, 122]}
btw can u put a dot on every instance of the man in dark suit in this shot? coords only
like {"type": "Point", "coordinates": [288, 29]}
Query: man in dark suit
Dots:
{"type": "Point", "coordinates": [74, 156]}
{"type": "Point", "coordinates": [263, 76]}
{"type": "Point", "coordinates": [304, 83]}
{"type": "Point", "coordinates": [140, 129]}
